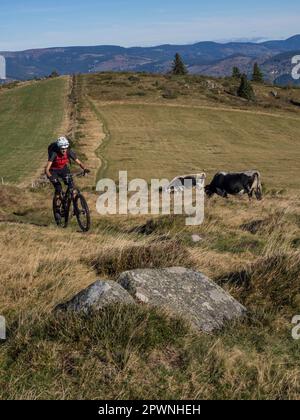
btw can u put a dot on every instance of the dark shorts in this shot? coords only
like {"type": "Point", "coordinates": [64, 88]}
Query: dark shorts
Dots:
{"type": "Point", "coordinates": [63, 174]}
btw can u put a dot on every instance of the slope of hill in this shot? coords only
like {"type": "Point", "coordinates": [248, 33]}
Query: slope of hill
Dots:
{"type": "Point", "coordinates": [292, 43]}
{"type": "Point", "coordinates": [202, 58]}
{"type": "Point", "coordinates": [250, 249]}
{"type": "Point", "coordinates": [31, 115]}
{"type": "Point", "coordinates": [205, 127]}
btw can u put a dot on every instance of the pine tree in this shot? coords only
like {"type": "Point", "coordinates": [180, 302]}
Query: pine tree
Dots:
{"type": "Point", "coordinates": [245, 90]}
{"type": "Point", "coordinates": [236, 74]}
{"type": "Point", "coordinates": [257, 74]}
{"type": "Point", "coordinates": [179, 68]}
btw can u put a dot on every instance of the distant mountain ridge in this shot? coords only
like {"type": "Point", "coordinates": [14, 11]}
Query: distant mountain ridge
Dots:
{"type": "Point", "coordinates": [208, 58]}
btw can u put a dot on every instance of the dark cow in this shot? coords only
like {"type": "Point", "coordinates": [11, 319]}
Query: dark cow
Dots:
{"type": "Point", "coordinates": [223, 183]}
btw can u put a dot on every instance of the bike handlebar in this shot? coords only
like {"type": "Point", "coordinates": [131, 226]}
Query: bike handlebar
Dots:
{"type": "Point", "coordinates": [77, 175]}
{"type": "Point", "coordinates": [81, 174]}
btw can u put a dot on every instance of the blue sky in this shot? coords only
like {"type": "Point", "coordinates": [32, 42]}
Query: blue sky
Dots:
{"type": "Point", "coordinates": [34, 24]}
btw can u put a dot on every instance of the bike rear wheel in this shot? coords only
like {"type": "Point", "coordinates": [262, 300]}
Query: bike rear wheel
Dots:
{"type": "Point", "coordinates": [82, 212]}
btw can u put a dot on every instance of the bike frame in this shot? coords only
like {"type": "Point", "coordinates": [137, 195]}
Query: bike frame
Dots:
{"type": "Point", "coordinates": [68, 195]}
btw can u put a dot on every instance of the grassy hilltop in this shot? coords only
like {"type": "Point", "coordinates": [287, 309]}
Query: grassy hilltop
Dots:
{"type": "Point", "coordinates": [155, 126]}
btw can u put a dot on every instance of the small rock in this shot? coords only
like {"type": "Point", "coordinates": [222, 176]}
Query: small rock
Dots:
{"type": "Point", "coordinates": [196, 238]}
{"type": "Point", "coordinates": [186, 292]}
{"type": "Point", "coordinates": [97, 296]}
{"type": "Point", "coordinates": [212, 85]}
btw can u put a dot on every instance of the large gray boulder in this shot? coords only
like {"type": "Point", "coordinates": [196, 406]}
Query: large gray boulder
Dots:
{"type": "Point", "coordinates": [186, 292]}
{"type": "Point", "coordinates": [97, 296]}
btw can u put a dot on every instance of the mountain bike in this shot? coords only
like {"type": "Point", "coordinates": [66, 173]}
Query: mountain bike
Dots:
{"type": "Point", "coordinates": [72, 203]}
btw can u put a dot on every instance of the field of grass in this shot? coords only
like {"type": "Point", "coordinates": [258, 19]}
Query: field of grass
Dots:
{"type": "Point", "coordinates": [159, 141]}
{"type": "Point", "coordinates": [31, 117]}
{"type": "Point", "coordinates": [250, 249]}
{"type": "Point", "coordinates": [150, 138]}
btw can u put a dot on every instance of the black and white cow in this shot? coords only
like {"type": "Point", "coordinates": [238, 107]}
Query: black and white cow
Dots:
{"type": "Point", "coordinates": [225, 183]}
{"type": "Point", "coordinates": [180, 183]}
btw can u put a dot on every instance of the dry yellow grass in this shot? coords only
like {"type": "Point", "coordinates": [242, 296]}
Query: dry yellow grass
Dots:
{"type": "Point", "coordinates": [54, 257]}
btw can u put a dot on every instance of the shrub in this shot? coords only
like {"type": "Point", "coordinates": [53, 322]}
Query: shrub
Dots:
{"type": "Point", "coordinates": [170, 94]}
{"type": "Point", "coordinates": [271, 283]}
{"type": "Point", "coordinates": [54, 74]}
{"type": "Point", "coordinates": [134, 79]}
{"type": "Point", "coordinates": [138, 93]}
{"type": "Point", "coordinates": [112, 262]}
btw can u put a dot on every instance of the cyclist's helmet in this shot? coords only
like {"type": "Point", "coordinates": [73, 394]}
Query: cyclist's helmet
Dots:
{"type": "Point", "coordinates": [63, 143]}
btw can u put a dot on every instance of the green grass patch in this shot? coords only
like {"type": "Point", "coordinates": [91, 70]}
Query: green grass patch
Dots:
{"type": "Point", "coordinates": [30, 119]}
{"type": "Point", "coordinates": [136, 352]}
{"type": "Point", "coordinates": [234, 243]}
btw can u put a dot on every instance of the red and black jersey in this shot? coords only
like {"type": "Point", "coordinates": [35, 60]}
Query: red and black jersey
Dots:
{"type": "Point", "coordinates": [60, 161]}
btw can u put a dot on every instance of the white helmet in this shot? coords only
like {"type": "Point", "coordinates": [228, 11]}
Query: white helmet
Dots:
{"type": "Point", "coordinates": [63, 143]}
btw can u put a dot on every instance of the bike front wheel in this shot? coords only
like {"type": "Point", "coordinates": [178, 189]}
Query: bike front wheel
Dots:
{"type": "Point", "coordinates": [82, 213]}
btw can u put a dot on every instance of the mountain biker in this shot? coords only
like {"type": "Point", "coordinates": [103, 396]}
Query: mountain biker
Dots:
{"type": "Point", "coordinates": [57, 167]}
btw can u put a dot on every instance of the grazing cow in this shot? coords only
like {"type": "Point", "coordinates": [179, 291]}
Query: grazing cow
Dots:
{"type": "Point", "coordinates": [186, 181]}
{"type": "Point", "coordinates": [240, 183]}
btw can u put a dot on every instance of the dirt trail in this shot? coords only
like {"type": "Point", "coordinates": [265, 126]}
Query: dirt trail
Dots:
{"type": "Point", "coordinates": [94, 133]}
